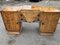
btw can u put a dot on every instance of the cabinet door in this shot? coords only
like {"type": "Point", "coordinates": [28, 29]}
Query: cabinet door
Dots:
{"type": "Point", "coordinates": [11, 21]}
{"type": "Point", "coordinates": [49, 22]}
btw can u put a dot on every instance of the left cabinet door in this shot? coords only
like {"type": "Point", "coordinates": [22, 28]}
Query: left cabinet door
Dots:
{"type": "Point", "coordinates": [12, 21]}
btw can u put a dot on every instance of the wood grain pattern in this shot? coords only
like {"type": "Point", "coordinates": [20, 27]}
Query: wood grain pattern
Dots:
{"type": "Point", "coordinates": [11, 21]}
{"type": "Point", "coordinates": [44, 8]}
{"type": "Point", "coordinates": [48, 18]}
{"type": "Point", "coordinates": [48, 22]}
{"type": "Point", "coordinates": [30, 15]}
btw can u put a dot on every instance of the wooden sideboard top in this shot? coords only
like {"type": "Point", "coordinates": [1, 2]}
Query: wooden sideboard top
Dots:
{"type": "Point", "coordinates": [33, 7]}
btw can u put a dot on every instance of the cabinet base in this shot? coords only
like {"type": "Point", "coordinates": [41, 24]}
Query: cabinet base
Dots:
{"type": "Point", "coordinates": [13, 33]}
{"type": "Point", "coordinates": [46, 34]}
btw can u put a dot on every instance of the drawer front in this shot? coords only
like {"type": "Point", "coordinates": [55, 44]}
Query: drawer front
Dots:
{"type": "Point", "coordinates": [30, 15]}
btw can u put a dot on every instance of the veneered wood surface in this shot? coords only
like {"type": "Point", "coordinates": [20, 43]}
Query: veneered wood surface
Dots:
{"type": "Point", "coordinates": [45, 8]}
{"type": "Point", "coordinates": [48, 18]}
{"type": "Point", "coordinates": [30, 15]}
{"type": "Point", "coordinates": [11, 21]}
{"type": "Point", "coordinates": [48, 21]}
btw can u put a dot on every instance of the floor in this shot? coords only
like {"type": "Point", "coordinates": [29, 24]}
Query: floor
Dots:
{"type": "Point", "coordinates": [29, 35]}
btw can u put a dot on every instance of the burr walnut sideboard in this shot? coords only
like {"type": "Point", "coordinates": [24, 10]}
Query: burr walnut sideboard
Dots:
{"type": "Point", "coordinates": [47, 20]}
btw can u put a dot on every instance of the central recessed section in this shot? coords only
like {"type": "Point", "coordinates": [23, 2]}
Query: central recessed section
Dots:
{"type": "Point", "coordinates": [30, 15]}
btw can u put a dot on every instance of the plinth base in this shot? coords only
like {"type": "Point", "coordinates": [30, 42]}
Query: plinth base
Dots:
{"type": "Point", "coordinates": [13, 33]}
{"type": "Point", "coordinates": [46, 34]}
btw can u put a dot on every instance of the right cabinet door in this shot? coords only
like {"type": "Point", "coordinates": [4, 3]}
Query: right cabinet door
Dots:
{"type": "Point", "coordinates": [48, 22]}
